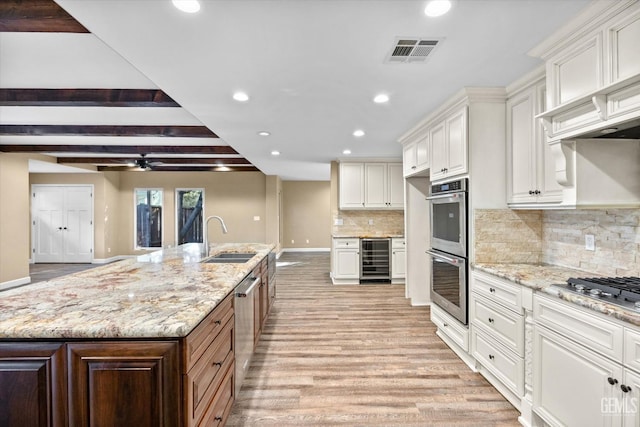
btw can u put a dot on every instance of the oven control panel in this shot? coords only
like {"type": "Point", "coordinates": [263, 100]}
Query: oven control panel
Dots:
{"type": "Point", "coordinates": [450, 187]}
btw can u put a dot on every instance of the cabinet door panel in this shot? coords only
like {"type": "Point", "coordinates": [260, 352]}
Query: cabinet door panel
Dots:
{"type": "Point", "coordinates": [626, 61]}
{"type": "Point", "coordinates": [457, 143]}
{"type": "Point", "coordinates": [398, 269]}
{"type": "Point", "coordinates": [347, 264]}
{"type": "Point", "coordinates": [571, 383]}
{"type": "Point", "coordinates": [630, 401]}
{"type": "Point", "coordinates": [32, 385]}
{"type": "Point", "coordinates": [395, 186]}
{"type": "Point", "coordinates": [520, 134]}
{"type": "Point", "coordinates": [351, 185]}
{"type": "Point", "coordinates": [409, 158]}
{"type": "Point", "coordinates": [124, 384]}
{"type": "Point", "coordinates": [375, 193]}
{"type": "Point", "coordinates": [438, 151]}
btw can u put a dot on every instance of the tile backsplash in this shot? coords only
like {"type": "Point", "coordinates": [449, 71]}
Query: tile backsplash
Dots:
{"type": "Point", "coordinates": [558, 237]}
{"type": "Point", "coordinates": [617, 240]}
{"type": "Point", "coordinates": [508, 236]}
{"type": "Point", "coordinates": [356, 223]}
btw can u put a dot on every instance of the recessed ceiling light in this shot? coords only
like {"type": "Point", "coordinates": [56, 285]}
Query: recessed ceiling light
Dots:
{"type": "Point", "coordinates": [437, 8]}
{"type": "Point", "coordinates": [347, 151]}
{"type": "Point", "coordinates": [189, 6]}
{"type": "Point", "coordinates": [608, 130]}
{"type": "Point", "coordinates": [381, 99]}
{"type": "Point", "coordinates": [358, 133]}
{"type": "Point", "coordinates": [275, 153]}
{"type": "Point", "coordinates": [264, 133]}
{"type": "Point", "coordinates": [241, 96]}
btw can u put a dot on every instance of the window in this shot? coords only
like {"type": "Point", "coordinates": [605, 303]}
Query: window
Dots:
{"type": "Point", "coordinates": [189, 216]}
{"type": "Point", "coordinates": [148, 202]}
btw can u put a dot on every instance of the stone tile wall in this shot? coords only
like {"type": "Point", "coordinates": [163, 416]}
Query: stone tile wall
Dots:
{"type": "Point", "coordinates": [617, 237]}
{"type": "Point", "coordinates": [356, 223]}
{"type": "Point", "coordinates": [557, 237]}
{"type": "Point", "coordinates": [507, 236]}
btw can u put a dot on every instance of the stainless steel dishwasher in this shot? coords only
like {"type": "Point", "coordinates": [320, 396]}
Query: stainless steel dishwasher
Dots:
{"type": "Point", "coordinates": [243, 306]}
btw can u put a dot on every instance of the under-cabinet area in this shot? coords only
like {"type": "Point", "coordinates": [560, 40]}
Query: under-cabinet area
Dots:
{"type": "Point", "coordinates": [368, 260]}
{"type": "Point", "coordinates": [179, 370]}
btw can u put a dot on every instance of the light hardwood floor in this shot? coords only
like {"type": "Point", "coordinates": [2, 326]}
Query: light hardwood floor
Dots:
{"type": "Point", "coordinates": [357, 356]}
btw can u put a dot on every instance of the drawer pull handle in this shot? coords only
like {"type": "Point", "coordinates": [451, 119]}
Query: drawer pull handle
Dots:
{"type": "Point", "coordinates": [625, 388]}
{"type": "Point", "coordinates": [491, 357]}
{"type": "Point", "coordinates": [612, 381]}
{"type": "Point", "coordinates": [218, 419]}
{"type": "Point", "coordinates": [445, 324]}
{"type": "Point", "coordinates": [218, 322]}
{"type": "Point", "coordinates": [492, 290]}
{"type": "Point", "coordinates": [491, 320]}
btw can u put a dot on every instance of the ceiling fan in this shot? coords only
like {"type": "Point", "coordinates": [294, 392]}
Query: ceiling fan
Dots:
{"type": "Point", "coordinates": [144, 164]}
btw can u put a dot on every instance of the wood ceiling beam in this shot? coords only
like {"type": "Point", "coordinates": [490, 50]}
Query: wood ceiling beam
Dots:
{"type": "Point", "coordinates": [181, 169]}
{"type": "Point", "coordinates": [86, 98]}
{"type": "Point", "coordinates": [120, 149]}
{"type": "Point", "coordinates": [37, 16]}
{"type": "Point", "coordinates": [108, 130]}
{"type": "Point", "coordinates": [165, 160]}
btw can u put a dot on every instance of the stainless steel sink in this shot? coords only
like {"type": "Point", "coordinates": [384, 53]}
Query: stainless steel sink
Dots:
{"type": "Point", "coordinates": [229, 257]}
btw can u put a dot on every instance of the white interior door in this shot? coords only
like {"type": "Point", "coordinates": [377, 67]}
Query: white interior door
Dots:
{"type": "Point", "coordinates": [62, 223]}
{"type": "Point", "coordinates": [48, 207]}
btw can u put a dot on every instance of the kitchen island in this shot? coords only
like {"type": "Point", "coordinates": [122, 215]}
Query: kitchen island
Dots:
{"type": "Point", "coordinates": [147, 341]}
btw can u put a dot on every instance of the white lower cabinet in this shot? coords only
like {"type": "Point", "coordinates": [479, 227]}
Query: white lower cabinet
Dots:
{"type": "Point", "coordinates": [572, 386]}
{"type": "Point", "coordinates": [497, 333]}
{"type": "Point", "coordinates": [346, 261]}
{"type": "Point", "coordinates": [398, 260]}
{"type": "Point", "coordinates": [584, 367]}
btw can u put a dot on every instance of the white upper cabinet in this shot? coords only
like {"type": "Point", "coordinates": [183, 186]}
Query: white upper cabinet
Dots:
{"type": "Point", "coordinates": [415, 156]}
{"type": "Point", "coordinates": [351, 185]}
{"type": "Point", "coordinates": [371, 186]}
{"type": "Point", "coordinates": [593, 71]}
{"type": "Point", "coordinates": [530, 171]}
{"type": "Point", "coordinates": [449, 144]}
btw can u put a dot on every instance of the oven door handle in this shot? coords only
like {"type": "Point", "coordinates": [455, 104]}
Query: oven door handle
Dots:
{"type": "Point", "coordinates": [445, 258]}
{"type": "Point", "coordinates": [446, 196]}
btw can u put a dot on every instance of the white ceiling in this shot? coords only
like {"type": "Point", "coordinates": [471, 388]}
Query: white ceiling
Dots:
{"type": "Point", "coordinates": [311, 68]}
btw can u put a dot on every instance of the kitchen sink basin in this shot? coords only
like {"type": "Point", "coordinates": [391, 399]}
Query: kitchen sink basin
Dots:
{"type": "Point", "coordinates": [229, 257]}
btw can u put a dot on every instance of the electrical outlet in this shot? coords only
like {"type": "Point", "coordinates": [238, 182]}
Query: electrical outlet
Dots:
{"type": "Point", "coordinates": [370, 222]}
{"type": "Point", "coordinates": [292, 241]}
{"type": "Point", "coordinates": [307, 240]}
{"type": "Point", "coordinates": [338, 221]}
{"type": "Point", "coordinates": [256, 218]}
{"type": "Point", "coordinates": [590, 242]}
{"type": "Point", "coordinates": [108, 250]}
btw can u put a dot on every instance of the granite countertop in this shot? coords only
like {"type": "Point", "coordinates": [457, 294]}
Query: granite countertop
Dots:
{"type": "Point", "coordinates": [540, 277]}
{"type": "Point", "coordinates": [161, 294]}
{"type": "Point", "coordinates": [367, 235]}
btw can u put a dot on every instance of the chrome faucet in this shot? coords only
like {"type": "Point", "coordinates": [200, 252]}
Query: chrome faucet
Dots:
{"type": "Point", "coordinates": [206, 231]}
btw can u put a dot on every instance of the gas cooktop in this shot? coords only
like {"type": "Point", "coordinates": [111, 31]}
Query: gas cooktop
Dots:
{"type": "Point", "coordinates": [621, 291]}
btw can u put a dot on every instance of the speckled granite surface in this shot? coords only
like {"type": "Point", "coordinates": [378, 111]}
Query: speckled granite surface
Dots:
{"type": "Point", "coordinates": [161, 294]}
{"type": "Point", "coordinates": [541, 277]}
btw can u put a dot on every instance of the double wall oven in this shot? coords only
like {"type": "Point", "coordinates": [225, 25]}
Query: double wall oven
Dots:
{"type": "Point", "coordinates": [448, 253]}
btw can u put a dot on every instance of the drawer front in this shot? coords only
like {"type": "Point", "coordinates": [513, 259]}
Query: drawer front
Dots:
{"type": "Point", "coordinates": [502, 292]}
{"type": "Point", "coordinates": [503, 364]}
{"type": "Point", "coordinates": [206, 376]}
{"type": "Point", "coordinates": [632, 349]}
{"type": "Point", "coordinates": [589, 330]}
{"type": "Point", "coordinates": [503, 325]}
{"type": "Point", "coordinates": [197, 342]}
{"type": "Point", "coordinates": [347, 243]}
{"type": "Point", "coordinates": [624, 101]}
{"type": "Point", "coordinates": [398, 243]}
{"type": "Point", "coordinates": [449, 326]}
{"type": "Point", "coordinates": [222, 402]}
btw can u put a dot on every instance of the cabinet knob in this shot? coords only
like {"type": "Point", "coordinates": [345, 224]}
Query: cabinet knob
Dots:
{"type": "Point", "coordinates": [492, 290]}
{"type": "Point", "coordinates": [218, 322]}
{"type": "Point", "coordinates": [612, 381]}
{"type": "Point", "coordinates": [625, 388]}
{"type": "Point", "coordinates": [413, 167]}
{"type": "Point", "coordinates": [445, 324]}
{"type": "Point", "coordinates": [491, 320]}
{"type": "Point", "coordinates": [491, 357]}
{"type": "Point", "coordinates": [537, 192]}
{"type": "Point", "coordinates": [218, 364]}
{"type": "Point", "coordinates": [59, 228]}
{"type": "Point", "coordinates": [218, 419]}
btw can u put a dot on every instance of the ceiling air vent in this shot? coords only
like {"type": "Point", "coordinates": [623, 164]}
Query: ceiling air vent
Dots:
{"type": "Point", "coordinates": [412, 49]}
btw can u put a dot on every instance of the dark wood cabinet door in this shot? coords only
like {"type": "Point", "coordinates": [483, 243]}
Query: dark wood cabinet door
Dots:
{"type": "Point", "coordinates": [32, 385]}
{"type": "Point", "coordinates": [124, 384]}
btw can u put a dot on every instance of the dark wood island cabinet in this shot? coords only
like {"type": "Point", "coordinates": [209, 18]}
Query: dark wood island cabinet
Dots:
{"type": "Point", "coordinates": [128, 379]}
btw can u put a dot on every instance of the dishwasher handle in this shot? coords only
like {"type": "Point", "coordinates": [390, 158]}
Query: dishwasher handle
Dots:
{"type": "Point", "coordinates": [249, 289]}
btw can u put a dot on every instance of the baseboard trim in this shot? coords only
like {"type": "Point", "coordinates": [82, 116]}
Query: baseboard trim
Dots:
{"type": "Point", "coordinates": [112, 259]}
{"type": "Point", "coordinates": [15, 283]}
{"type": "Point", "coordinates": [306, 250]}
